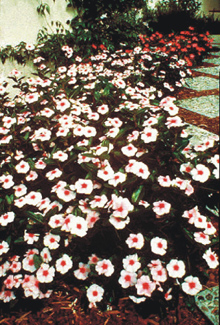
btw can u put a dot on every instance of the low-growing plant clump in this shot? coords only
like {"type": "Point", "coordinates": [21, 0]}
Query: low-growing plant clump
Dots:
{"type": "Point", "coordinates": [100, 185]}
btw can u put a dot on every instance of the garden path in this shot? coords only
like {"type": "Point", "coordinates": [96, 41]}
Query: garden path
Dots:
{"type": "Point", "coordinates": [199, 105]}
{"type": "Point", "coordinates": [199, 100]}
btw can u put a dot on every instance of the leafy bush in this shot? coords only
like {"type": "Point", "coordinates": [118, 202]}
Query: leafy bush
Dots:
{"type": "Point", "coordinates": [89, 10]}
{"type": "Point", "coordinates": [172, 15]}
{"type": "Point", "coordinates": [100, 185]}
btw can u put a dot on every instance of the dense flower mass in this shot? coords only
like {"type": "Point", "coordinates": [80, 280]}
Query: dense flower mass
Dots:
{"type": "Point", "coordinates": [99, 180]}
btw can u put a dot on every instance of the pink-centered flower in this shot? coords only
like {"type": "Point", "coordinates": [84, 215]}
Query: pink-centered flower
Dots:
{"type": "Point", "coordinates": [7, 181]}
{"type": "Point", "coordinates": [4, 247]}
{"type": "Point", "coordinates": [129, 150]}
{"type": "Point", "coordinates": [127, 279]}
{"type": "Point", "coordinates": [159, 274]}
{"type": "Point", "coordinates": [145, 286]}
{"type": "Point", "coordinates": [135, 241]}
{"type": "Point", "coordinates": [7, 218]}
{"type": "Point", "coordinates": [104, 267]}
{"type": "Point", "coordinates": [149, 135]}
{"type": "Point", "coordinates": [158, 245]}
{"type": "Point", "coordinates": [161, 207]}
{"type": "Point", "coordinates": [95, 293]}
{"type": "Point", "coordinates": [131, 263]}
{"type": "Point", "coordinates": [23, 167]}
{"type": "Point", "coordinates": [191, 285]}
{"type": "Point", "coordinates": [84, 186]}
{"type": "Point", "coordinates": [51, 241]}
{"type": "Point", "coordinates": [82, 272]}
{"type": "Point", "coordinates": [176, 268]}
{"type": "Point", "coordinates": [45, 273]}
{"type": "Point", "coordinates": [64, 264]}
{"type": "Point", "coordinates": [211, 258]}
{"type": "Point", "coordinates": [202, 238]}
{"type": "Point", "coordinates": [200, 173]}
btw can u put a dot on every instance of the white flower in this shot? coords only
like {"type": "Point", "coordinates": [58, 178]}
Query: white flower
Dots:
{"type": "Point", "coordinates": [145, 286]}
{"type": "Point", "coordinates": [149, 135]}
{"type": "Point", "coordinates": [95, 293]}
{"type": "Point", "coordinates": [161, 207]}
{"type": "Point", "coordinates": [45, 254]}
{"type": "Point", "coordinates": [127, 279]}
{"type": "Point", "coordinates": [211, 258]}
{"type": "Point", "coordinates": [84, 186]}
{"type": "Point", "coordinates": [56, 221]}
{"type": "Point", "coordinates": [200, 221]}
{"type": "Point", "coordinates": [129, 150]}
{"type": "Point", "coordinates": [174, 122]}
{"type": "Point", "coordinates": [200, 173]}
{"type": "Point", "coordinates": [60, 155]}
{"type": "Point", "coordinates": [159, 274]}
{"type": "Point", "coordinates": [82, 272]}
{"type": "Point", "coordinates": [65, 194]}
{"type": "Point", "coordinates": [64, 264]}
{"type": "Point", "coordinates": [33, 198]}
{"type": "Point", "coordinates": [158, 245]}
{"type": "Point", "coordinates": [42, 134]}
{"type": "Point", "coordinates": [164, 181]}
{"type": "Point", "coordinates": [53, 174]}
{"type": "Point", "coordinates": [118, 222]}
{"type": "Point", "coordinates": [191, 285]}
{"type": "Point", "coordinates": [78, 226]}
{"type": "Point", "coordinates": [23, 167]}
{"type": "Point", "coordinates": [104, 267]}
{"type": "Point", "coordinates": [98, 201]}
{"type": "Point", "coordinates": [7, 181]}
{"type": "Point", "coordinates": [7, 218]}
{"type": "Point", "coordinates": [31, 176]}
{"type": "Point", "coordinates": [106, 173]}
{"type": "Point", "coordinates": [51, 241]}
{"type": "Point", "coordinates": [45, 273]}
{"type": "Point", "coordinates": [210, 229]}
{"type": "Point", "coordinates": [62, 104]}
{"type": "Point", "coordinates": [31, 98]}
{"type": "Point", "coordinates": [28, 263]}
{"type": "Point", "coordinates": [131, 263]}
{"type": "Point", "coordinates": [202, 238]}
{"type": "Point", "coordinates": [135, 240]}
{"type": "Point", "coordinates": [121, 206]}
{"type": "Point", "coordinates": [176, 268]}
{"type": "Point", "coordinates": [103, 109]}
{"type": "Point", "coordinates": [40, 164]}
{"type": "Point", "coordinates": [89, 131]}
{"type": "Point", "coordinates": [4, 247]}
{"type": "Point", "coordinates": [117, 179]}
{"type": "Point", "coordinates": [30, 238]}
{"type": "Point", "coordinates": [137, 300]}
{"type": "Point", "coordinates": [91, 218]}
{"type": "Point", "coordinates": [215, 160]}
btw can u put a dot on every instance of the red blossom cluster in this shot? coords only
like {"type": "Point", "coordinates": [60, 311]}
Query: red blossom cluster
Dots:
{"type": "Point", "coordinates": [189, 45]}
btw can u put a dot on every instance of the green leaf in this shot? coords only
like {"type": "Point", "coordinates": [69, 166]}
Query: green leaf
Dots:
{"type": "Point", "coordinates": [35, 217]}
{"type": "Point", "coordinates": [37, 261]}
{"type": "Point", "coordinates": [9, 199]}
{"type": "Point", "coordinates": [138, 194]}
{"type": "Point", "coordinates": [19, 240]}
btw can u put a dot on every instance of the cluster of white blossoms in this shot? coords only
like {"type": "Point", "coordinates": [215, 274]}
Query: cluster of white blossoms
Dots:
{"type": "Point", "coordinates": [84, 150]}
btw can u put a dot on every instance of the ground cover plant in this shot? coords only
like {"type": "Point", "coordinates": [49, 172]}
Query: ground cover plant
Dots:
{"type": "Point", "coordinates": [100, 186]}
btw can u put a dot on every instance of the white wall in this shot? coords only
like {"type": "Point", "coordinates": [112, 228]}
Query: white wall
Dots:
{"type": "Point", "coordinates": [21, 22]}
{"type": "Point", "coordinates": [210, 5]}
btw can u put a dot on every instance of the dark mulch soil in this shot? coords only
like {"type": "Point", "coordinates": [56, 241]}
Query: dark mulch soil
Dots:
{"type": "Point", "coordinates": [65, 309]}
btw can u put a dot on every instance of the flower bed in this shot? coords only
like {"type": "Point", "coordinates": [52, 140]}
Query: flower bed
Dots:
{"type": "Point", "coordinates": [99, 183]}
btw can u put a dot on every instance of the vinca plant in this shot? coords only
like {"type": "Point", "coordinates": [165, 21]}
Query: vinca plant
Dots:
{"type": "Point", "coordinates": [100, 185]}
